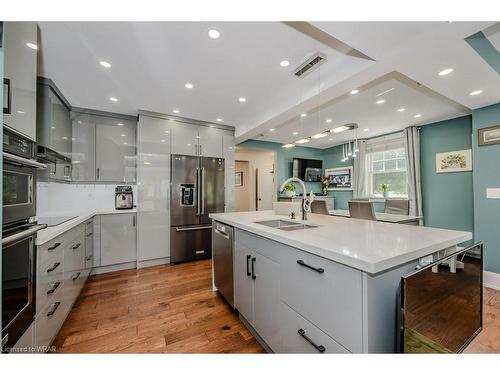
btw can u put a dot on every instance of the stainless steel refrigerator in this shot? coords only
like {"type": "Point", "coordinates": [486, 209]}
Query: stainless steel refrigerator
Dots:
{"type": "Point", "coordinates": [197, 189]}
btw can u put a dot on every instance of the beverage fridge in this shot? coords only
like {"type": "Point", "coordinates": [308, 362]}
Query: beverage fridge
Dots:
{"type": "Point", "coordinates": [197, 189]}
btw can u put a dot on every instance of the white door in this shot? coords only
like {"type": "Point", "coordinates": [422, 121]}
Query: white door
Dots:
{"type": "Point", "coordinates": [265, 189]}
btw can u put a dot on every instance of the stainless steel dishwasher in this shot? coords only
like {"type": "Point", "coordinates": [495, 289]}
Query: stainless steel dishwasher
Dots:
{"type": "Point", "coordinates": [222, 253]}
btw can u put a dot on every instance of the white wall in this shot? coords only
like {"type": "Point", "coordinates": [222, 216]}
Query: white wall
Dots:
{"type": "Point", "coordinates": [58, 199]}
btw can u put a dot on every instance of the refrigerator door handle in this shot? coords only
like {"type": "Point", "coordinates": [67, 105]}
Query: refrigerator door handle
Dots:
{"type": "Point", "coordinates": [198, 191]}
{"type": "Point", "coordinates": [202, 174]}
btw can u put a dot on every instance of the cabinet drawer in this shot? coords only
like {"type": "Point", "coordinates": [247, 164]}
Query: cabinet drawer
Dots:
{"type": "Point", "coordinates": [58, 244]}
{"type": "Point", "coordinates": [73, 284]}
{"type": "Point", "coordinates": [50, 319]}
{"type": "Point", "coordinates": [89, 250]}
{"type": "Point", "coordinates": [49, 280]}
{"type": "Point", "coordinates": [312, 286]}
{"type": "Point", "coordinates": [298, 335]}
{"type": "Point", "coordinates": [74, 254]}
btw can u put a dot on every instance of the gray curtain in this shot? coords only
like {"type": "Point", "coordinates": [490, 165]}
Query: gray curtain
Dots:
{"type": "Point", "coordinates": [412, 148]}
{"type": "Point", "coordinates": [359, 172]}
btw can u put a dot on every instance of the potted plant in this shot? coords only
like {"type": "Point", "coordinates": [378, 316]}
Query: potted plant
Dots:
{"type": "Point", "coordinates": [385, 190]}
{"type": "Point", "coordinates": [289, 190]}
{"type": "Point", "coordinates": [325, 182]}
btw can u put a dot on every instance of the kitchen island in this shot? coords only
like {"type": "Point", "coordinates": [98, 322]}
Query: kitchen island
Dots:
{"type": "Point", "coordinates": [330, 287]}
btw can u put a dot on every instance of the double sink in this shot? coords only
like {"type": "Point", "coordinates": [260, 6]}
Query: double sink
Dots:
{"type": "Point", "coordinates": [285, 225]}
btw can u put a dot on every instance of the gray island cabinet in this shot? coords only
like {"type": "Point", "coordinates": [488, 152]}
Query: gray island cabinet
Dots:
{"type": "Point", "coordinates": [295, 298]}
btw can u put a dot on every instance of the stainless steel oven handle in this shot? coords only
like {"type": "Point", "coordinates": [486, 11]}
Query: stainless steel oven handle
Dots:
{"type": "Point", "coordinates": [23, 161]}
{"type": "Point", "coordinates": [192, 228]}
{"type": "Point", "coordinates": [24, 234]}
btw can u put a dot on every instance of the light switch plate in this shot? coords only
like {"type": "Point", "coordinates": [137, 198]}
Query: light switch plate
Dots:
{"type": "Point", "coordinates": [493, 193]}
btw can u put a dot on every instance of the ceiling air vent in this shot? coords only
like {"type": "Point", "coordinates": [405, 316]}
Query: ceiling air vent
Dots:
{"type": "Point", "coordinates": [310, 64]}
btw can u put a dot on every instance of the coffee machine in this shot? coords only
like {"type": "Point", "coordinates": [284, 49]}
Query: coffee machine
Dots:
{"type": "Point", "coordinates": [124, 199]}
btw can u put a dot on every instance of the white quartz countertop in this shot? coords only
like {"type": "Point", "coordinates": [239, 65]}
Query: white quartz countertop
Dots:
{"type": "Point", "coordinates": [370, 246]}
{"type": "Point", "coordinates": [50, 233]}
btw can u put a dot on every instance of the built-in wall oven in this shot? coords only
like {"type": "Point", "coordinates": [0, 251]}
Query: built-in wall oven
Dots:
{"type": "Point", "coordinates": [18, 236]}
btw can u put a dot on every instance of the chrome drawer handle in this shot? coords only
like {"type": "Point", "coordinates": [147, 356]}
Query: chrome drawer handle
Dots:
{"type": "Point", "coordinates": [302, 263]}
{"type": "Point", "coordinates": [76, 277]}
{"type": "Point", "coordinates": [89, 234]}
{"type": "Point", "coordinates": [319, 348]}
{"type": "Point", "coordinates": [55, 306]}
{"type": "Point", "coordinates": [76, 246]}
{"type": "Point", "coordinates": [54, 288]}
{"type": "Point", "coordinates": [56, 245]}
{"type": "Point", "coordinates": [89, 257]}
{"type": "Point", "coordinates": [57, 264]}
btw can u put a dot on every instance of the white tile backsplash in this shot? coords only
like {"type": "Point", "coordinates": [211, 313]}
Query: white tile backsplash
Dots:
{"type": "Point", "coordinates": [56, 199]}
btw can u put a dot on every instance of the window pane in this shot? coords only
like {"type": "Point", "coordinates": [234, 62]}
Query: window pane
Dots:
{"type": "Point", "coordinates": [390, 165]}
{"type": "Point", "coordinates": [402, 164]}
{"type": "Point", "coordinates": [391, 154]}
{"type": "Point", "coordinates": [378, 156]}
{"type": "Point", "coordinates": [401, 153]}
{"type": "Point", "coordinates": [378, 166]}
{"type": "Point", "coordinates": [395, 180]}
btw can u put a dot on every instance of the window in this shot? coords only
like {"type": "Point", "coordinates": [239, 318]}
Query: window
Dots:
{"type": "Point", "coordinates": [386, 164]}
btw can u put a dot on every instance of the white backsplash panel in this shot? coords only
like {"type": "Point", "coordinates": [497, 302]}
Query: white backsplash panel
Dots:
{"type": "Point", "coordinates": [56, 199]}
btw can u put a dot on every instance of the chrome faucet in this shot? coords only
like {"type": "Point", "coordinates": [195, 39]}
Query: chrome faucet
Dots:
{"type": "Point", "coordinates": [306, 203]}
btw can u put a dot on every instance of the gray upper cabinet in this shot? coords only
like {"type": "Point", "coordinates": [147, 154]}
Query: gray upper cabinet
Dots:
{"type": "Point", "coordinates": [83, 147]}
{"type": "Point", "coordinates": [115, 149]}
{"type": "Point", "coordinates": [20, 64]}
{"type": "Point", "coordinates": [196, 140]}
{"type": "Point", "coordinates": [184, 139]}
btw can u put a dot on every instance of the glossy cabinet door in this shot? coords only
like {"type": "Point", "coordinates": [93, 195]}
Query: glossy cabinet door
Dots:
{"type": "Point", "coordinates": [210, 142]}
{"type": "Point", "coordinates": [153, 178]}
{"type": "Point", "coordinates": [20, 67]}
{"type": "Point", "coordinates": [83, 147]}
{"type": "Point", "coordinates": [267, 304]}
{"type": "Point", "coordinates": [118, 239]}
{"type": "Point", "coordinates": [228, 144]}
{"type": "Point", "coordinates": [243, 282]}
{"type": "Point", "coordinates": [184, 139]}
{"type": "Point", "coordinates": [115, 149]}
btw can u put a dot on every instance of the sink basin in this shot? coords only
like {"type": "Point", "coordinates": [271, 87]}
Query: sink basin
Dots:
{"type": "Point", "coordinates": [285, 225]}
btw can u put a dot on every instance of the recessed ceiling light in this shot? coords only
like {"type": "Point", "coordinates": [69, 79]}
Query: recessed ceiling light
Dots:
{"type": "Point", "coordinates": [445, 72]}
{"type": "Point", "coordinates": [113, 99]}
{"type": "Point", "coordinates": [477, 92]}
{"type": "Point", "coordinates": [417, 115]}
{"type": "Point", "coordinates": [381, 101]}
{"type": "Point", "coordinates": [125, 143]}
{"type": "Point", "coordinates": [52, 127]}
{"type": "Point", "coordinates": [354, 92]}
{"type": "Point", "coordinates": [20, 112]}
{"type": "Point", "coordinates": [214, 34]}
{"type": "Point", "coordinates": [242, 100]}
{"type": "Point", "coordinates": [123, 135]}
{"type": "Point", "coordinates": [366, 129]}
{"type": "Point", "coordinates": [303, 140]}
{"type": "Point", "coordinates": [105, 64]}
{"type": "Point", "coordinates": [272, 129]}
{"type": "Point", "coordinates": [401, 109]}
{"type": "Point", "coordinates": [340, 129]}
{"type": "Point", "coordinates": [303, 115]}
{"type": "Point", "coordinates": [166, 131]}
{"type": "Point", "coordinates": [64, 137]}
{"type": "Point", "coordinates": [330, 139]}
{"type": "Point", "coordinates": [32, 45]}
{"type": "Point", "coordinates": [319, 135]}
{"type": "Point", "coordinates": [295, 133]}
{"type": "Point", "coordinates": [328, 120]}
{"type": "Point", "coordinates": [188, 85]}
{"type": "Point", "coordinates": [219, 120]}
{"type": "Point", "coordinates": [147, 162]}
{"type": "Point", "coordinates": [284, 63]}
{"type": "Point", "coordinates": [120, 124]}
{"type": "Point", "coordinates": [163, 141]}
{"type": "Point", "coordinates": [176, 111]}
{"type": "Point", "coordinates": [288, 145]}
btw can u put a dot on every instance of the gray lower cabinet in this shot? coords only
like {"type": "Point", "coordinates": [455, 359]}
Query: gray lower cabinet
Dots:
{"type": "Point", "coordinates": [115, 149]}
{"type": "Point", "coordinates": [20, 65]}
{"type": "Point", "coordinates": [118, 239]}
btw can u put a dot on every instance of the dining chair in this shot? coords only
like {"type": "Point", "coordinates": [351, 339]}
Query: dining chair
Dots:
{"type": "Point", "coordinates": [397, 206]}
{"type": "Point", "coordinates": [319, 207]}
{"type": "Point", "coordinates": [361, 210]}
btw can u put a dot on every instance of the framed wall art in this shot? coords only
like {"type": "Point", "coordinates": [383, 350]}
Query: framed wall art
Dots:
{"type": "Point", "coordinates": [454, 161]}
{"type": "Point", "coordinates": [339, 178]}
{"type": "Point", "coordinates": [489, 136]}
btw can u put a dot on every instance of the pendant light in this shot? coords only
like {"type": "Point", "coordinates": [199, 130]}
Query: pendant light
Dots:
{"type": "Point", "coordinates": [349, 151]}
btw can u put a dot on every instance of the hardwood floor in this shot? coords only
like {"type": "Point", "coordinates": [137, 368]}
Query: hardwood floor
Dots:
{"type": "Point", "coordinates": [162, 309]}
{"type": "Point", "coordinates": [172, 309]}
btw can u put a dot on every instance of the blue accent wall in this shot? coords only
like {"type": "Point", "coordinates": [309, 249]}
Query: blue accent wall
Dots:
{"type": "Point", "coordinates": [447, 198]}
{"type": "Point", "coordinates": [486, 174]}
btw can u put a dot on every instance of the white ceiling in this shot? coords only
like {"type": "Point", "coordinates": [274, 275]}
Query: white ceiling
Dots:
{"type": "Point", "coordinates": [151, 62]}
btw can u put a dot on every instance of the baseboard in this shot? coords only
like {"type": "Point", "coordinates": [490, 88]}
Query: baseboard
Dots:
{"type": "Point", "coordinates": [113, 268]}
{"type": "Point", "coordinates": [491, 280]}
{"type": "Point", "coordinates": [152, 262]}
